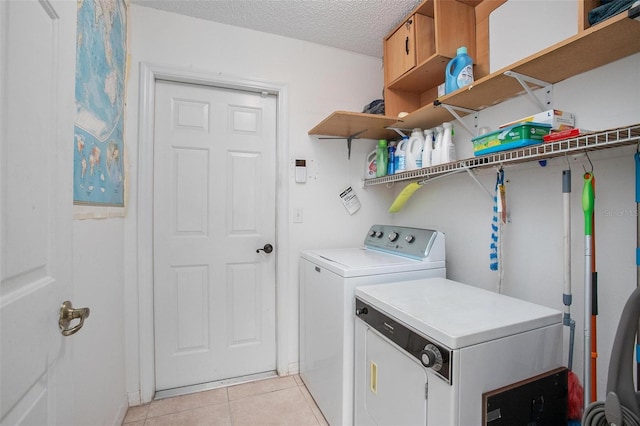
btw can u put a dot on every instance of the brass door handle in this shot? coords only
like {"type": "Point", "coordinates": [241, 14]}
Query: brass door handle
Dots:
{"type": "Point", "coordinates": [67, 314]}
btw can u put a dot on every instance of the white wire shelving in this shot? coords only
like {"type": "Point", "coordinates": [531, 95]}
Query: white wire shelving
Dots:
{"type": "Point", "coordinates": [627, 135]}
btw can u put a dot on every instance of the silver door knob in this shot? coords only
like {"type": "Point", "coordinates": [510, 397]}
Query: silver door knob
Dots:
{"type": "Point", "coordinates": [68, 314]}
{"type": "Point", "coordinates": [268, 248]}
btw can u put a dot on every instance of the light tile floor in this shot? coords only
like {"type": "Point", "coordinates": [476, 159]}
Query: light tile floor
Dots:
{"type": "Point", "coordinates": [275, 401]}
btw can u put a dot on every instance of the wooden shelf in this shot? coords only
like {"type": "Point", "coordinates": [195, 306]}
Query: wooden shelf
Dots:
{"type": "Point", "coordinates": [608, 41]}
{"type": "Point", "coordinates": [628, 135]}
{"type": "Point", "coordinates": [346, 124]}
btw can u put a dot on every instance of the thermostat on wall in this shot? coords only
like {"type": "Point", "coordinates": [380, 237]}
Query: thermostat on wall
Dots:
{"type": "Point", "coordinates": [301, 171]}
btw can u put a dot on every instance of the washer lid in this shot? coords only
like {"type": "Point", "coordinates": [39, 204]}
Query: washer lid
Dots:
{"type": "Point", "coordinates": [456, 314]}
{"type": "Point", "coordinates": [358, 262]}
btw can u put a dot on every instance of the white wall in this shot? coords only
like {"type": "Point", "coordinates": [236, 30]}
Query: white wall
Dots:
{"type": "Point", "coordinates": [319, 80]}
{"type": "Point", "coordinates": [98, 349]}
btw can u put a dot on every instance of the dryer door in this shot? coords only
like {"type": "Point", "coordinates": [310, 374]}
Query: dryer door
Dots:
{"type": "Point", "coordinates": [395, 384]}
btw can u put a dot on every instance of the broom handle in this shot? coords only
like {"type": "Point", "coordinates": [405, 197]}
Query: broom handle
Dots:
{"type": "Point", "coordinates": [637, 162]}
{"type": "Point", "coordinates": [587, 207]}
{"type": "Point", "coordinates": [594, 300]}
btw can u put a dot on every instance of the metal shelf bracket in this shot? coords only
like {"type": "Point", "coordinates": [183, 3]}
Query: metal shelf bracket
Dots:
{"type": "Point", "coordinates": [397, 130]}
{"type": "Point", "coordinates": [453, 110]}
{"type": "Point", "coordinates": [524, 79]}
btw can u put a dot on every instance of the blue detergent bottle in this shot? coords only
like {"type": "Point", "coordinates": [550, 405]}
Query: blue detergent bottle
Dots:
{"type": "Point", "coordinates": [459, 71]}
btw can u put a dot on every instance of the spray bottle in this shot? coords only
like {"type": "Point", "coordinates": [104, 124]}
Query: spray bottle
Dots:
{"type": "Point", "coordinates": [427, 151]}
{"type": "Point", "coordinates": [448, 148]}
{"type": "Point", "coordinates": [391, 167]}
{"type": "Point", "coordinates": [437, 147]}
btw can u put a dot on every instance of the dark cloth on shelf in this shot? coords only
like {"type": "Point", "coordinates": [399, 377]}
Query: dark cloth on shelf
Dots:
{"type": "Point", "coordinates": [607, 9]}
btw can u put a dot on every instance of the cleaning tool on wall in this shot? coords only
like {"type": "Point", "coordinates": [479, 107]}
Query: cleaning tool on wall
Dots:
{"type": "Point", "coordinates": [587, 207]}
{"type": "Point", "coordinates": [637, 162]}
{"type": "Point", "coordinates": [575, 397]}
{"type": "Point", "coordinates": [622, 405]}
{"type": "Point", "coordinates": [408, 191]}
{"type": "Point", "coordinates": [404, 196]}
{"type": "Point", "coordinates": [594, 302]}
{"type": "Point", "coordinates": [499, 218]}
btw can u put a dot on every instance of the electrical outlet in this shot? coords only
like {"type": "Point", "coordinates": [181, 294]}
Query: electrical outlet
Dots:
{"type": "Point", "coordinates": [297, 215]}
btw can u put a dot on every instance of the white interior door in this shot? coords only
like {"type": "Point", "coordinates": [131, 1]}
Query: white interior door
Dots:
{"type": "Point", "coordinates": [214, 207]}
{"type": "Point", "coordinates": [36, 92]}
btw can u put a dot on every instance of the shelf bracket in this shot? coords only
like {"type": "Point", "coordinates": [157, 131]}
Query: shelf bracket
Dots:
{"type": "Point", "coordinates": [453, 110]}
{"type": "Point", "coordinates": [524, 79]}
{"type": "Point", "coordinates": [473, 176]}
{"type": "Point", "coordinates": [397, 130]}
{"type": "Point", "coordinates": [349, 139]}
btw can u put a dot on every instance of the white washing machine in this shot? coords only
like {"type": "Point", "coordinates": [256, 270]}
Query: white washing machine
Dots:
{"type": "Point", "coordinates": [427, 350]}
{"type": "Point", "coordinates": [328, 280]}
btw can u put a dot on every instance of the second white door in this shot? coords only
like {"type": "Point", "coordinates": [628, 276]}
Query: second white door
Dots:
{"type": "Point", "coordinates": [214, 207]}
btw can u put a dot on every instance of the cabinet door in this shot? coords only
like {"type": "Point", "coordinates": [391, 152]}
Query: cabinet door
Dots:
{"type": "Point", "coordinates": [400, 50]}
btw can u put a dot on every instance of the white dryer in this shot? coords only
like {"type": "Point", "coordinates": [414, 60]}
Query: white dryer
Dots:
{"type": "Point", "coordinates": [328, 280]}
{"type": "Point", "coordinates": [427, 350]}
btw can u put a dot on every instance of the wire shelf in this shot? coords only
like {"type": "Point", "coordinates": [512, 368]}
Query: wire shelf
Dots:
{"type": "Point", "coordinates": [593, 141]}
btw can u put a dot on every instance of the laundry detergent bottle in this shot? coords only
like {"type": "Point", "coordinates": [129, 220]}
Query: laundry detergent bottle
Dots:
{"type": "Point", "coordinates": [413, 154]}
{"type": "Point", "coordinates": [459, 71]}
{"type": "Point", "coordinates": [382, 156]}
{"type": "Point", "coordinates": [401, 151]}
{"type": "Point", "coordinates": [370, 165]}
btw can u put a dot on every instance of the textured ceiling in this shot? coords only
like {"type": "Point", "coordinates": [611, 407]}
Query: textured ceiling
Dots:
{"type": "Point", "coordinates": [353, 25]}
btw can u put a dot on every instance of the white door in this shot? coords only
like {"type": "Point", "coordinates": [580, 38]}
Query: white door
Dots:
{"type": "Point", "coordinates": [37, 59]}
{"type": "Point", "coordinates": [214, 207]}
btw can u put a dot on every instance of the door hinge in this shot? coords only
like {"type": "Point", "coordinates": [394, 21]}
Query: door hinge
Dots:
{"type": "Point", "coordinates": [426, 391]}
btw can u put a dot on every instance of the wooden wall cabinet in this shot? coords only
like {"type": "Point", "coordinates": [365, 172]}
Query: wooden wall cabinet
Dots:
{"type": "Point", "coordinates": [417, 52]}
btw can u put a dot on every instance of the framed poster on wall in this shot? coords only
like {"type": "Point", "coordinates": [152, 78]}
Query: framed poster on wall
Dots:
{"type": "Point", "coordinates": [98, 178]}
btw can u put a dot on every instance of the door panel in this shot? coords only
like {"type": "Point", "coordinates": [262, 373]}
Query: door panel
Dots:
{"type": "Point", "coordinates": [36, 209]}
{"type": "Point", "coordinates": [214, 206]}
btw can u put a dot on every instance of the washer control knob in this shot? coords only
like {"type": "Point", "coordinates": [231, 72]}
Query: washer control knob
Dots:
{"type": "Point", "coordinates": [393, 236]}
{"type": "Point", "coordinates": [409, 238]}
{"type": "Point", "coordinates": [372, 233]}
{"type": "Point", "coordinates": [379, 234]}
{"type": "Point", "coordinates": [431, 357]}
{"type": "Point", "coordinates": [363, 311]}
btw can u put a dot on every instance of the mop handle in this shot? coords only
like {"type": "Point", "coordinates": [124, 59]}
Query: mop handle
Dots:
{"type": "Point", "coordinates": [587, 203]}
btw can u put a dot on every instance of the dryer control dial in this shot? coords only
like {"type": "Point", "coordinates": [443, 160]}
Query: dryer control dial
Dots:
{"type": "Point", "coordinates": [393, 236]}
{"type": "Point", "coordinates": [410, 238]}
{"type": "Point", "coordinates": [431, 357]}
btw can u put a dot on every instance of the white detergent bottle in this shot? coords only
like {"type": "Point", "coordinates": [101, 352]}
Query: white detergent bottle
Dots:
{"type": "Point", "coordinates": [427, 150]}
{"type": "Point", "coordinates": [437, 147]}
{"type": "Point", "coordinates": [401, 151]}
{"type": "Point", "coordinates": [413, 154]}
{"type": "Point", "coordinates": [370, 165]}
{"type": "Point", "coordinates": [448, 148]}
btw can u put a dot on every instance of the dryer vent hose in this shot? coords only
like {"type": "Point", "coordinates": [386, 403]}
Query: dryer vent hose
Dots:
{"type": "Point", "coordinates": [622, 406]}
